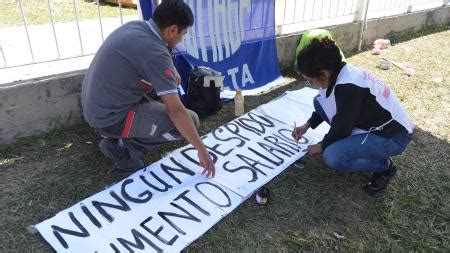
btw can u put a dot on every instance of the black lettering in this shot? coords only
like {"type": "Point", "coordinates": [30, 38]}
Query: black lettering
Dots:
{"type": "Point", "coordinates": [292, 144]}
{"type": "Point", "coordinates": [210, 200]}
{"type": "Point", "coordinates": [235, 130]}
{"type": "Point", "coordinates": [180, 168]}
{"type": "Point", "coordinates": [252, 170]}
{"type": "Point", "coordinates": [90, 216]}
{"type": "Point", "coordinates": [286, 135]}
{"type": "Point", "coordinates": [267, 158]}
{"type": "Point", "coordinates": [286, 147]}
{"type": "Point", "coordinates": [122, 206]}
{"type": "Point", "coordinates": [148, 195]}
{"type": "Point", "coordinates": [186, 215]}
{"type": "Point", "coordinates": [58, 230]}
{"type": "Point", "coordinates": [280, 146]}
{"type": "Point", "coordinates": [267, 122]}
{"type": "Point", "coordinates": [185, 151]}
{"type": "Point", "coordinates": [156, 233]}
{"type": "Point", "coordinates": [138, 244]}
{"type": "Point", "coordinates": [192, 203]}
{"type": "Point", "coordinates": [253, 163]}
{"type": "Point", "coordinates": [166, 185]}
{"type": "Point", "coordinates": [116, 250]}
{"type": "Point", "coordinates": [220, 130]}
{"type": "Point", "coordinates": [245, 123]}
{"type": "Point", "coordinates": [303, 140]}
{"type": "Point", "coordinates": [217, 151]}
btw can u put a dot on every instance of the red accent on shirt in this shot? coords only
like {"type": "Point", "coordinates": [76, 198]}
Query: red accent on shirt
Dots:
{"type": "Point", "coordinates": [168, 72]}
{"type": "Point", "coordinates": [145, 85]}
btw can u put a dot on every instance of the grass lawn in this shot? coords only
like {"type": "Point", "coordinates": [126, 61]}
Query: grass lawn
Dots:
{"type": "Point", "coordinates": [36, 11]}
{"type": "Point", "coordinates": [46, 174]}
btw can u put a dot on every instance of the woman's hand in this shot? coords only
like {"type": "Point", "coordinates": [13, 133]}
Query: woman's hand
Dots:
{"type": "Point", "coordinates": [298, 132]}
{"type": "Point", "coordinates": [314, 150]}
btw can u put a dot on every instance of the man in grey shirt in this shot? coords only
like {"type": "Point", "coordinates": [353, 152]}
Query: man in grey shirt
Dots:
{"type": "Point", "coordinates": [133, 68]}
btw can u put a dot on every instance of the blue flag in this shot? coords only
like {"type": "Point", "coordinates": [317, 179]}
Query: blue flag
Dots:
{"type": "Point", "coordinates": [234, 37]}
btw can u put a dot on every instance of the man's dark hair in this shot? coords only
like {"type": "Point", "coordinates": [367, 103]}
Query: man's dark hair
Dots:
{"type": "Point", "coordinates": [173, 12]}
{"type": "Point", "coordinates": [319, 55]}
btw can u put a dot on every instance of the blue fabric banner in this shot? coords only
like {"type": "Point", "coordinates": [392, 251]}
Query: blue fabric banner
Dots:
{"type": "Point", "coordinates": [147, 8]}
{"type": "Point", "coordinates": [234, 37]}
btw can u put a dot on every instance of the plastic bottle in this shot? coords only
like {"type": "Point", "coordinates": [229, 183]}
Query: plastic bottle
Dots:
{"type": "Point", "coordinates": [381, 43]}
{"type": "Point", "coordinates": [238, 103]}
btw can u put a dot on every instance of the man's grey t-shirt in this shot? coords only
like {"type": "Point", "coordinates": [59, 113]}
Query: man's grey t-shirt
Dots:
{"type": "Point", "coordinates": [132, 61]}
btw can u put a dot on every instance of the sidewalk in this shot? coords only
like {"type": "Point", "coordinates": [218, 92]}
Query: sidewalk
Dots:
{"type": "Point", "coordinates": [16, 50]}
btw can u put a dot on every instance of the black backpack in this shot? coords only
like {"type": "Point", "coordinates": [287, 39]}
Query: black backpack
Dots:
{"type": "Point", "coordinates": [203, 91]}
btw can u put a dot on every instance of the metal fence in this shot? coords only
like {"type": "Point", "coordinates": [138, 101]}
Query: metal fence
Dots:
{"type": "Point", "coordinates": [26, 44]}
{"type": "Point", "coordinates": [300, 15]}
{"type": "Point", "coordinates": [393, 7]}
{"type": "Point", "coordinates": [63, 40]}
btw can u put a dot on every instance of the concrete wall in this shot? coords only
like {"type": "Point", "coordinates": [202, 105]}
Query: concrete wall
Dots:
{"type": "Point", "coordinates": [35, 106]}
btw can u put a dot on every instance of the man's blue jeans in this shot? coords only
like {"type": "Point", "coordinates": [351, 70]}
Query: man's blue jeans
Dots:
{"type": "Point", "coordinates": [349, 155]}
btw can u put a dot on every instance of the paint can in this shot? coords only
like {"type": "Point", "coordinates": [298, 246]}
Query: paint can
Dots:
{"type": "Point", "coordinates": [262, 196]}
{"type": "Point", "coordinates": [383, 64]}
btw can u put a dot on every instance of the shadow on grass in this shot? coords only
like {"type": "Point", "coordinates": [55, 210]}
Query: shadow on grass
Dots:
{"type": "Point", "coordinates": [313, 209]}
{"type": "Point", "coordinates": [316, 209]}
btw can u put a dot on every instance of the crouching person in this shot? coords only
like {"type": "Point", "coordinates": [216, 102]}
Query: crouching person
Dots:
{"type": "Point", "coordinates": [368, 125]}
{"type": "Point", "coordinates": [130, 96]}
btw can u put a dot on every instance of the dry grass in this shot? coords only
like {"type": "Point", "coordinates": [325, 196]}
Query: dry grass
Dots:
{"type": "Point", "coordinates": [36, 11]}
{"type": "Point", "coordinates": [46, 174]}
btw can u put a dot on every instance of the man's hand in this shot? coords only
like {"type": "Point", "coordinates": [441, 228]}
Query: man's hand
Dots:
{"type": "Point", "coordinates": [298, 132]}
{"type": "Point", "coordinates": [314, 150]}
{"type": "Point", "coordinates": [207, 163]}
{"type": "Point", "coordinates": [184, 124]}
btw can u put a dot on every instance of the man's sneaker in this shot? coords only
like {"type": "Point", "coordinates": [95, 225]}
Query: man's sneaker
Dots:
{"type": "Point", "coordinates": [380, 179]}
{"type": "Point", "coordinates": [120, 156]}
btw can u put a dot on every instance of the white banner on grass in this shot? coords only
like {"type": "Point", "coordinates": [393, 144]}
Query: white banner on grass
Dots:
{"type": "Point", "coordinates": [169, 204]}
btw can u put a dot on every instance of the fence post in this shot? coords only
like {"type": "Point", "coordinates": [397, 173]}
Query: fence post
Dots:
{"type": "Point", "coordinates": [359, 11]}
{"type": "Point", "coordinates": [362, 6]}
{"type": "Point", "coordinates": [3, 54]}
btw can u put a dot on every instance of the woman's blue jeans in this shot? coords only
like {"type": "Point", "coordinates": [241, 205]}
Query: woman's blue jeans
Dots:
{"type": "Point", "coordinates": [349, 155]}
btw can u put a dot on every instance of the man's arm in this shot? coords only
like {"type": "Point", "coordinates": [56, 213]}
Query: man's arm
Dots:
{"type": "Point", "coordinates": [183, 123]}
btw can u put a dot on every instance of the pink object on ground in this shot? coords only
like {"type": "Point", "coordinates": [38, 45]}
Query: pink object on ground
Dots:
{"type": "Point", "coordinates": [409, 71]}
{"type": "Point", "coordinates": [381, 43]}
{"type": "Point", "coordinates": [376, 51]}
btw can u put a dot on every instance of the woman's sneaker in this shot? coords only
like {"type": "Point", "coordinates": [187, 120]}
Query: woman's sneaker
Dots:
{"type": "Point", "coordinates": [380, 179]}
{"type": "Point", "coordinates": [119, 155]}
{"type": "Point", "coordinates": [300, 163]}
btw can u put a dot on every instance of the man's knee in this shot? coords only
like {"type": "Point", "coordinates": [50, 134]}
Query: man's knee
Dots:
{"type": "Point", "coordinates": [195, 118]}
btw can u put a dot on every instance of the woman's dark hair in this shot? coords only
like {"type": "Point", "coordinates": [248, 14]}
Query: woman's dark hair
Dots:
{"type": "Point", "coordinates": [173, 12]}
{"type": "Point", "coordinates": [319, 55]}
